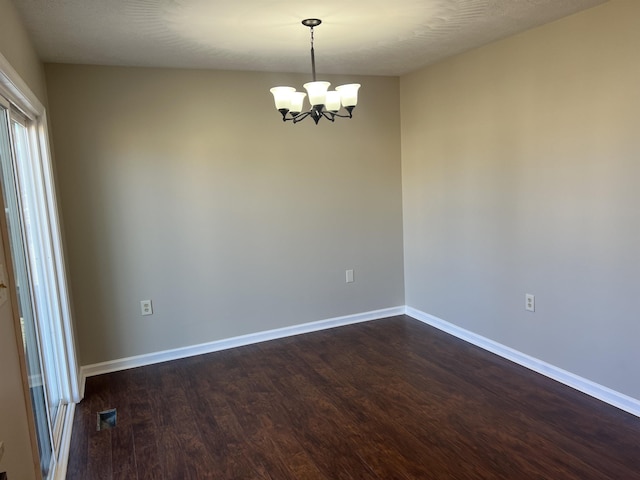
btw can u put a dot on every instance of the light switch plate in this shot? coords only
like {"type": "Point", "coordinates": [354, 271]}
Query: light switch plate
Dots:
{"type": "Point", "coordinates": [349, 276]}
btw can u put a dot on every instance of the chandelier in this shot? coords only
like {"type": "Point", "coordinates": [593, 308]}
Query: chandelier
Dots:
{"type": "Point", "coordinates": [324, 102]}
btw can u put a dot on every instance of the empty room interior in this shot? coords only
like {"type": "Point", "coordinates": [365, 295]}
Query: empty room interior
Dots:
{"type": "Point", "coordinates": [202, 280]}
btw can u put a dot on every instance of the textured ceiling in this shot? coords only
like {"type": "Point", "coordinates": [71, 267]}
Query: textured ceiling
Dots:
{"type": "Point", "coordinates": [377, 37]}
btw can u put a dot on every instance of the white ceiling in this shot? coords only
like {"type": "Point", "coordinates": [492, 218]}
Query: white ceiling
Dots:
{"type": "Point", "coordinates": [375, 37]}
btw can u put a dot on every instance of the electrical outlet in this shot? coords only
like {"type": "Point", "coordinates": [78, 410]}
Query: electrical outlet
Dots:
{"type": "Point", "coordinates": [529, 302]}
{"type": "Point", "coordinates": [145, 307]}
{"type": "Point", "coordinates": [349, 276]}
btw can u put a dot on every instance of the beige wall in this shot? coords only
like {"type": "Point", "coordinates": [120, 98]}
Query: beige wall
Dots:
{"type": "Point", "coordinates": [521, 174]}
{"type": "Point", "coordinates": [185, 187]}
{"type": "Point", "coordinates": [18, 459]}
{"type": "Point", "coordinates": [17, 48]}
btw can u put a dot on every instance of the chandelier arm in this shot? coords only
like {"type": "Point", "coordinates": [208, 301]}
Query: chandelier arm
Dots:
{"type": "Point", "coordinates": [316, 114]}
{"type": "Point", "coordinates": [300, 116]}
{"type": "Point", "coordinates": [329, 115]}
{"type": "Point", "coordinates": [343, 116]}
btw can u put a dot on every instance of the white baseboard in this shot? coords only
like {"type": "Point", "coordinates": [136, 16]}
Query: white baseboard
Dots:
{"type": "Point", "coordinates": [581, 384]}
{"type": "Point", "coordinates": [184, 352]}
{"type": "Point", "coordinates": [617, 399]}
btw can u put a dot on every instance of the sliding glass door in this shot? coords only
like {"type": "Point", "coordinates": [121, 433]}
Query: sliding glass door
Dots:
{"type": "Point", "coordinates": [18, 225]}
{"type": "Point", "coordinates": [38, 277]}
{"type": "Point", "coordinates": [27, 181]}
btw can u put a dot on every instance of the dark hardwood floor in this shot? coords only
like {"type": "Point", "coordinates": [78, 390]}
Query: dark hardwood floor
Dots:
{"type": "Point", "coordinates": [390, 399]}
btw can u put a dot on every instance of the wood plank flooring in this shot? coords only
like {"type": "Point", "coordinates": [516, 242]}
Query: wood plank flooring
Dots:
{"type": "Point", "coordinates": [389, 399]}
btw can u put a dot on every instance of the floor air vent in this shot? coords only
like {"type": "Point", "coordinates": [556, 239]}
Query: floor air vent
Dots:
{"type": "Point", "coordinates": [107, 419]}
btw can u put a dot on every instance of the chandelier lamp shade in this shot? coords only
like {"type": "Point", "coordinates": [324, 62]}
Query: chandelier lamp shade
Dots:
{"type": "Point", "coordinates": [324, 102]}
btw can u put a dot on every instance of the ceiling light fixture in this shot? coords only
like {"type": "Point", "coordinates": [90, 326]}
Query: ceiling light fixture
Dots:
{"type": "Point", "coordinates": [324, 102]}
